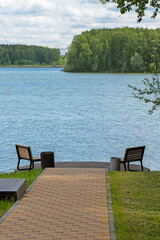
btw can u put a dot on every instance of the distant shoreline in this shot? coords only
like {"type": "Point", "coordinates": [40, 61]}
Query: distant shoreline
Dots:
{"type": "Point", "coordinates": [32, 66]}
{"type": "Point", "coordinates": [62, 66]}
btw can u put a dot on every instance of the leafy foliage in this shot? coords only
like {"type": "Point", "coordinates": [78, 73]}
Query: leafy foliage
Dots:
{"type": "Point", "coordinates": [140, 6]}
{"type": "Point", "coordinates": [28, 55]}
{"type": "Point", "coordinates": [150, 93]}
{"type": "Point", "coordinates": [115, 50]}
{"type": "Point", "coordinates": [137, 63]}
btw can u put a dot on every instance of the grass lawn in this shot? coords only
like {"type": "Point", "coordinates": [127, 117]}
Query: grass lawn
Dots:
{"type": "Point", "coordinates": [136, 204]}
{"type": "Point", "coordinates": [5, 204]}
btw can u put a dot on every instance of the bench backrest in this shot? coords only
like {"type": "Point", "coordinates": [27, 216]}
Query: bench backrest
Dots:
{"type": "Point", "coordinates": [134, 154]}
{"type": "Point", "coordinates": [24, 152]}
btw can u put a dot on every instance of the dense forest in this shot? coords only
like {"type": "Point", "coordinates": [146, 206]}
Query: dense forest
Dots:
{"type": "Point", "coordinates": [115, 50]}
{"type": "Point", "coordinates": [28, 55]}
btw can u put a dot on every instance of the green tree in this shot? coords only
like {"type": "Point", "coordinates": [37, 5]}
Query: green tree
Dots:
{"type": "Point", "coordinates": [16, 56]}
{"type": "Point", "coordinates": [137, 63]}
{"type": "Point", "coordinates": [98, 60]}
{"type": "Point", "coordinates": [28, 55]}
{"type": "Point", "coordinates": [140, 6]}
{"type": "Point", "coordinates": [112, 50]}
{"type": "Point", "coordinates": [84, 61]}
{"type": "Point", "coordinates": [72, 59]}
{"type": "Point", "coordinates": [6, 60]}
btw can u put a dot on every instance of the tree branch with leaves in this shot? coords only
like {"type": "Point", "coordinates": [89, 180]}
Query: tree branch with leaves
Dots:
{"type": "Point", "coordinates": [150, 93]}
{"type": "Point", "coordinates": [140, 6]}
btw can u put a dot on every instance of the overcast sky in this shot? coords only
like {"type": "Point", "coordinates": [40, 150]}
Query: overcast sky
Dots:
{"type": "Point", "coordinates": [54, 23]}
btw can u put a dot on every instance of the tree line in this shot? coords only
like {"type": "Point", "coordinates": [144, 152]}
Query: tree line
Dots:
{"type": "Point", "coordinates": [115, 50]}
{"type": "Point", "coordinates": [28, 55]}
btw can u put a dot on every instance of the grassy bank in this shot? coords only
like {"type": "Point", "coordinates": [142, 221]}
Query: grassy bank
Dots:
{"type": "Point", "coordinates": [136, 204]}
{"type": "Point", "coordinates": [5, 204]}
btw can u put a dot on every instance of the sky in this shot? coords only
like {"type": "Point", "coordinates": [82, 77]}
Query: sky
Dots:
{"type": "Point", "coordinates": [54, 23]}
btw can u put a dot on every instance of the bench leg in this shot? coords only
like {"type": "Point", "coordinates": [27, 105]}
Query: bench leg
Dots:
{"type": "Point", "coordinates": [134, 170]}
{"type": "Point", "coordinates": [141, 165]}
{"type": "Point", "coordinates": [18, 164]}
{"type": "Point", "coordinates": [30, 167]}
{"type": "Point", "coordinates": [125, 167]}
{"type": "Point", "coordinates": [129, 167]}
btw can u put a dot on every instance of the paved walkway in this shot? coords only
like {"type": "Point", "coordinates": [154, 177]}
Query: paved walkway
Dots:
{"type": "Point", "coordinates": [64, 204]}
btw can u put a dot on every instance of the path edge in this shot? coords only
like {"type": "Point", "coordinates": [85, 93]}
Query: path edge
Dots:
{"type": "Point", "coordinates": [18, 201]}
{"type": "Point", "coordinates": [110, 210]}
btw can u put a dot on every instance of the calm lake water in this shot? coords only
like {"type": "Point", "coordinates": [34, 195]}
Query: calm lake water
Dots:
{"type": "Point", "coordinates": [81, 117]}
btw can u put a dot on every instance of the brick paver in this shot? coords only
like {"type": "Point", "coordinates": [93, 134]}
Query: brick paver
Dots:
{"type": "Point", "coordinates": [64, 204]}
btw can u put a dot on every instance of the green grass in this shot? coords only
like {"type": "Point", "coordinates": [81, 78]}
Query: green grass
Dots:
{"type": "Point", "coordinates": [30, 176]}
{"type": "Point", "coordinates": [136, 205]}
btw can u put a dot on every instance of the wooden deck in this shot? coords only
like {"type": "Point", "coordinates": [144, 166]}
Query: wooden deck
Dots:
{"type": "Point", "coordinates": [12, 187]}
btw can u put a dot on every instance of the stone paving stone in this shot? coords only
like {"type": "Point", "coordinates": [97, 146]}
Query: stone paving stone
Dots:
{"type": "Point", "coordinates": [65, 203]}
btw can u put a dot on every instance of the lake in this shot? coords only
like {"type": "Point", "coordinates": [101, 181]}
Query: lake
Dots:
{"type": "Point", "coordinates": [79, 116]}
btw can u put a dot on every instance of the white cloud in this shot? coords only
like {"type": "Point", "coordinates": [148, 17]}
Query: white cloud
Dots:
{"type": "Point", "coordinates": [89, 1]}
{"type": "Point", "coordinates": [52, 23]}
